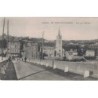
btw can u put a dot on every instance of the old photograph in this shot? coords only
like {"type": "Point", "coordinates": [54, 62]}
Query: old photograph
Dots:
{"type": "Point", "coordinates": [49, 48]}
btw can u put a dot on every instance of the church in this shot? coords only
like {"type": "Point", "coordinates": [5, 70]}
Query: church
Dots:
{"type": "Point", "coordinates": [58, 46]}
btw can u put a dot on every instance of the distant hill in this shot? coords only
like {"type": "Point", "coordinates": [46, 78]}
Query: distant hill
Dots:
{"type": "Point", "coordinates": [50, 43]}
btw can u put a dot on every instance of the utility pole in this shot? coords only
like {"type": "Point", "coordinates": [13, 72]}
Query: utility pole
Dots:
{"type": "Point", "coordinates": [42, 56]}
{"type": "Point", "coordinates": [8, 30]}
{"type": "Point", "coordinates": [7, 35]}
{"type": "Point", "coordinates": [3, 36]}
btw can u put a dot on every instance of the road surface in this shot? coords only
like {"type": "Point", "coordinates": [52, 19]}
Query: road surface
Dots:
{"type": "Point", "coordinates": [29, 71]}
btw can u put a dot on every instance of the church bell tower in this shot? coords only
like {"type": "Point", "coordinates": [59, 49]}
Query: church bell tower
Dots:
{"type": "Point", "coordinates": [59, 45]}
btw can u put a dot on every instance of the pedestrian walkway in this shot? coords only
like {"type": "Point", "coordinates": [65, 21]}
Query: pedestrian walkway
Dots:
{"type": "Point", "coordinates": [32, 71]}
{"type": "Point", "coordinates": [28, 71]}
{"type": "Point", "coordinates": [24, 69]}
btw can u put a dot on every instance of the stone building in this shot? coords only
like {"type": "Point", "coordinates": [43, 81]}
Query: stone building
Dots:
{"type": "Point", "coordinates": [30, 50]}
{"type": "Point", "coordinates": [48, 51]}
{"type": "Point", "coordinates": [94, 47]}
{"type": "Point", "coordinates": [58, 48]}
{"type": "Point", "coordinates": [14, 48]}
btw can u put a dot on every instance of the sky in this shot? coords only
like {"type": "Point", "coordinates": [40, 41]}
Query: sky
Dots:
{"type": "Point", "coordinates": [71, 28]}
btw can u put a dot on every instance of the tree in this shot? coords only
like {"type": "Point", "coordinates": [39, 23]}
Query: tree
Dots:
{"type": "Point", "coordinates": [3, 43]}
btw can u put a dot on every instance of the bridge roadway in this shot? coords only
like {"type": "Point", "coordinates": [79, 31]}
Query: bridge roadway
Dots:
{"type": "Point", "coordinates": [29, 71]}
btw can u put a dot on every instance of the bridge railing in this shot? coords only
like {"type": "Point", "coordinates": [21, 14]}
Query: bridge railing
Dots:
{"type": "Point", "coordinates": [83, 68]}
{"type": "Point", "coordinates": [3, 67]}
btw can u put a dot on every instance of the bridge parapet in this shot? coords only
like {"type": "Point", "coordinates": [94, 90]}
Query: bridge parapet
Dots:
{"type": "Point", "coordinates": [83, 68]}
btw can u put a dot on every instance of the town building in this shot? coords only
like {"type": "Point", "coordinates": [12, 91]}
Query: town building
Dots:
{"type": "Point", "coordinates": [90, 53]}
{"type": "Point", "coordinates": [14, 48]}
{"type": "Point", "coordinates": [30, 50]}
{"type": "Point", "coordinates": [94, 47]}
{"type": "Point", "coordinates": [48, 52]}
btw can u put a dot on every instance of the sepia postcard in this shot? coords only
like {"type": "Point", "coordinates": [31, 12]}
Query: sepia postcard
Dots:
{"type": "Point", "coordinates": [48, 48]}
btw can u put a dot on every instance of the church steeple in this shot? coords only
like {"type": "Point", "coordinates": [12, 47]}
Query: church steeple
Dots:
{"type": "Point", "coordinates": [59, 44]}
{"type": "Point", "coordinates": [59, 34]}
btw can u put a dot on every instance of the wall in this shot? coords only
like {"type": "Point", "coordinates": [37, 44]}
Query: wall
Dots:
{"type": "Point", "coordinates": [74, 67]}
